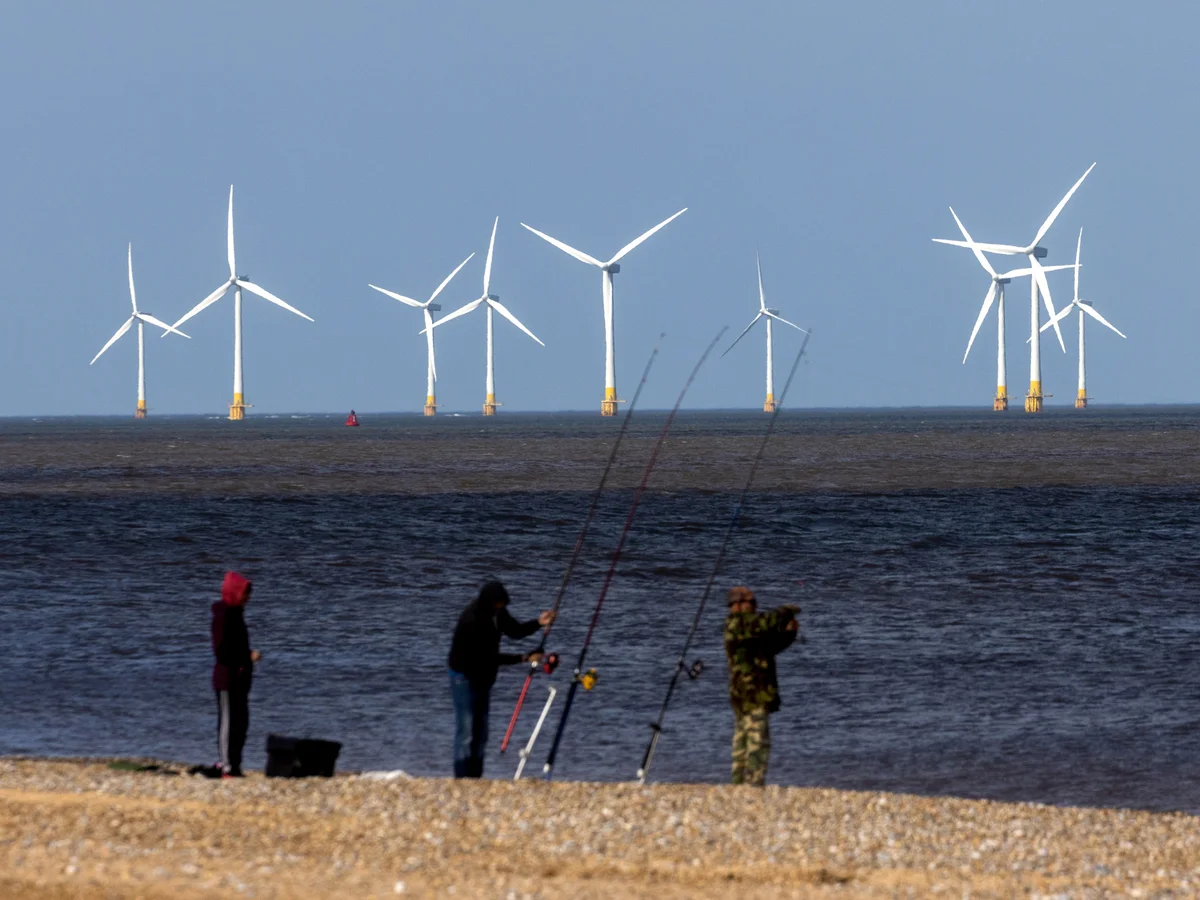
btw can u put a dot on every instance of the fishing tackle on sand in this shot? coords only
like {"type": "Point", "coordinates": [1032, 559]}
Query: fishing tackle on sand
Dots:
{"type": "Point", "coordinates": [583, 532]}
{"type": "Point", "coordinates": [579, 675]}
{"type": "Point", "coordinates": [681, 667]}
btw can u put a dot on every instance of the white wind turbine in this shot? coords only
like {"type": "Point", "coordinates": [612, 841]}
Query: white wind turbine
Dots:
{"type": "Point", "coordinates": [1085, 308]}
{"type": "Point", "coordinates": [1033, 252]}
{"type": "Point", "coordinates": [237, 409]}
{"type": "Point", "coordinates": [140, 318]}
{"type": "Point", "coordinates": [493, 302]}
{"type": "Point", "coordinates": [428, 307]}
{"type": "Point", "coordinates": [996, 293]}
{"type": "Point", "coordinates": [768, 314]}
{"type": "Point", "coordinates": [609, 269]}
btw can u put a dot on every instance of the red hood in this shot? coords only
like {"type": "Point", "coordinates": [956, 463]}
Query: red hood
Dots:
{"type": "Point", "coordinates": [234, 589]}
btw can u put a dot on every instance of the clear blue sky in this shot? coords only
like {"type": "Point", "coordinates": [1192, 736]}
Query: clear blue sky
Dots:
{"type": "Point", "coordinates": [375, 142]}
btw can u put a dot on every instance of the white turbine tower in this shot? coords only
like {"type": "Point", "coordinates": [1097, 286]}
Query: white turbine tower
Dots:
{"type": "Point", "coordinates": [493, 302]}
{"type": "Point", "coordinates": [768, 314]}
{"type": "Point", "coordinates": [608, 269]}
{"type": "Point", "coordinates": [428, 307]}
{"type": "Point", "coordinates": [140, 318]}
{"type": "Point", "coordinates": [1085, 308]}
{"type": "Point", "coordinates": [995, 293]}
{"type": "Point", "coordinates": [237, 409]}
{"type": "Point", "coordinates": [1034, 252]}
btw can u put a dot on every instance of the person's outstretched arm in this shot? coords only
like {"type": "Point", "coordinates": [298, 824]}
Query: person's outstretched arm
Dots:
{"type": "Point", "coordinates": [510, 627]}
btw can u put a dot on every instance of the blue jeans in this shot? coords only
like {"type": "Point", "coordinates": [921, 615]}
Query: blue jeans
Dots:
{"type": "Point", "coordinates": [470, 725]}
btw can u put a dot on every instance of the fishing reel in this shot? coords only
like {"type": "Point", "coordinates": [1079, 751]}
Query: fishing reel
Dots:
{"type": "Point", "coordinates": [549, 663]}
{"type": "Point", "coordinates": [588, 679]}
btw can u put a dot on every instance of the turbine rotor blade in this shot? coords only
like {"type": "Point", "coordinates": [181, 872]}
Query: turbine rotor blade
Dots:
{"type": "Point", "coordinates": [1099, 318]}
{"type": "Point", "coordinates": [762, 297]}
{"type": "Point", "coordinates": [638, 240]}
{"type": "Point", "coordinates": [1078, 247]}
{"type": "Point", "coordinates": [112, 340]}
{"type": "Point", "coordinates": [1044, 288]}
{"type": "Point", "coordinates": [743, 334]}
{"type": "Point", "coordinates": [409, 300]}
{"type": "Point", "coordinates": [446, 280]}
{"type": "Point", "coordinates": [1059, 316]}
{"type": "Point", "coordinates": [487, 266]}
{"type": "Point", "coordinates": [974, 249]}
{"type": "Point", "coordinates": [503, 310]}
{"type": "Point", "coordinates": [267, 295]}
{"type": "Point", "coordinates": [1021, 273]}
{"type": "Point", "coordinates": [229, 235]}
{"type": "Point", "coordinates": [1001, 249]}
{"type": "Point", "coordinates": [1061, 203]}
{"type": "Point", "coordinates": [150, 320]}
{"type": "Point", "coordinates": [983, 311]}
{"type": "Point", "coordinates": [461, 311]}
{"type": "Point", "coordinates": [429, 338]}
{"type": "Point", "coordinates": [203, 304]}
{"type": "Point", "coordinates": [132, 292]}
{"type": "Point", "coordinates": [785, 321]}
{"type": "Point", "coordinates": [565, 248]}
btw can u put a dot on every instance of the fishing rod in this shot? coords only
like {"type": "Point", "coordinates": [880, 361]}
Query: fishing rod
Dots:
{"type": "Point", "coordinates": [583, 532]}
{"type": "Point", "coordinates": [681, 667]}
{"type": "Point", "coordinates": [588, 679]}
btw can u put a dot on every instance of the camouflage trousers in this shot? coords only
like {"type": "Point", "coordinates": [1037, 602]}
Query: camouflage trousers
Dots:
{"type": "Point", "coordinates": [751, 746]}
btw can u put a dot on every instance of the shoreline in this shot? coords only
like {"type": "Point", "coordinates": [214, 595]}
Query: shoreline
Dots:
{"type": "Point", "coordinates": [78, 828]}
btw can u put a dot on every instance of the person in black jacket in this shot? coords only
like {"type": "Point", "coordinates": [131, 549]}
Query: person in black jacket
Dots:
{"type": "Point", "coordinates": [232, 672]}
{"type": "Point", "coordinates": [474, 659]}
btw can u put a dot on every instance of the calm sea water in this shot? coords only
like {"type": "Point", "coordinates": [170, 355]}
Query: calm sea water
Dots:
{"type": "Point", "coordinates": [994, 605]}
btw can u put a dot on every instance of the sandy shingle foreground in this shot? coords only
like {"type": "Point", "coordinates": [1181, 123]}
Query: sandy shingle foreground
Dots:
{"type": "Point", "coordinates": [81, 829]}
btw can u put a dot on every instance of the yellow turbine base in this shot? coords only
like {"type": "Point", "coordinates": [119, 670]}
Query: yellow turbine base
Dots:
{"type": "Point", "coordinates": [489, 405]}
{"type": "Point", "coordinates": [1033, 400]}
{"type": "Point", "coordinates": [609, 406]}
{"type": "Point", "coordinates": [141, 410]}
{"type": "Point", "coordinates": [237, 409]}
{"type": "Point", "coordinates": [1081, 399]}
{"type": "Point", "coordinates": [430, 406]}
{"type": "Point", "coordinates": [769, 404]}
{"type": "Point", "coordinates": [1001, 401]}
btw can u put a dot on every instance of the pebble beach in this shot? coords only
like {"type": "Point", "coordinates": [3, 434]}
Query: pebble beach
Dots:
{"type": "Point", "coordinates": [87, 829]}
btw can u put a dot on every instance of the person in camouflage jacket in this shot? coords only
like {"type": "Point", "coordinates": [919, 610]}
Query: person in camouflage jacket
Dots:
{"type": "Point", "coordinates": [751, 641]}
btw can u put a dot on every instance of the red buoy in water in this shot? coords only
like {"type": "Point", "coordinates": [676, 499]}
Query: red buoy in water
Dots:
{"type": "Point", "coordinates": [352, 419]}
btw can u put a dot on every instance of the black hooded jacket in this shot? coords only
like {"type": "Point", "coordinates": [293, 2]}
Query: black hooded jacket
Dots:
{"type": "Point", "coordinates": [475, 649]}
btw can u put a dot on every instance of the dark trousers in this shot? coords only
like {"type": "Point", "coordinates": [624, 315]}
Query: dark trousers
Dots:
{"type": "Point", "coordinates": [233, 719]}
{"type": "Point", "coordinates": [470, 725]}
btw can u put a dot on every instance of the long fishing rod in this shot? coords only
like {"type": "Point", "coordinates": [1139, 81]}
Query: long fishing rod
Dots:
{"type": "Point", "coordinates": [579, 675]}
{"type": "Point", "coordinates": [681, 666]}
{"type": "Point", "coordinates": [583, 532]}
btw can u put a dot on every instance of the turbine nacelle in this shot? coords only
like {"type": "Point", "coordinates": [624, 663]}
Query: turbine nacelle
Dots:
{"type": "Point", "coordinates": [492, 298]}
{"type": "Point", "coordinates": [612, 269]}
{"type": "Point", "coordinates": [433, 307]}
{"type": "Point", "coordinates": [1038, 252]}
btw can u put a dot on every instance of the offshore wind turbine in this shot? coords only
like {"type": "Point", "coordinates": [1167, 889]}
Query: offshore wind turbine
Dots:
{"type": "Point", "coordinates": [1033, 252]}
{"type": "Point", "coordinates": [608, 269]}
{"type": "Point", "coordinates": [768, 314]}
{"type": "Point", "coordinates": [139, 318]}
{"type": "Point", "coordinates": [995, 293]}
{"type": "Point", "coordinates": [237, 409]}
{"type": "Point", "coordinates": [1085, 308]}
{"type": "Point", "coordinates": [428, 307]}
{"type": "Point", "coordinates": [493, 302]}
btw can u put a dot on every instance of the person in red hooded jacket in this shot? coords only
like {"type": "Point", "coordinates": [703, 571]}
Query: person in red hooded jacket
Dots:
{"type": "Point", "coordinates": [232, 671]}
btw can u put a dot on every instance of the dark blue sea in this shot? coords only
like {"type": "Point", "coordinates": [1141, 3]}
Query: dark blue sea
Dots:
{"type": "Point", "coordinates": [993, 605]}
